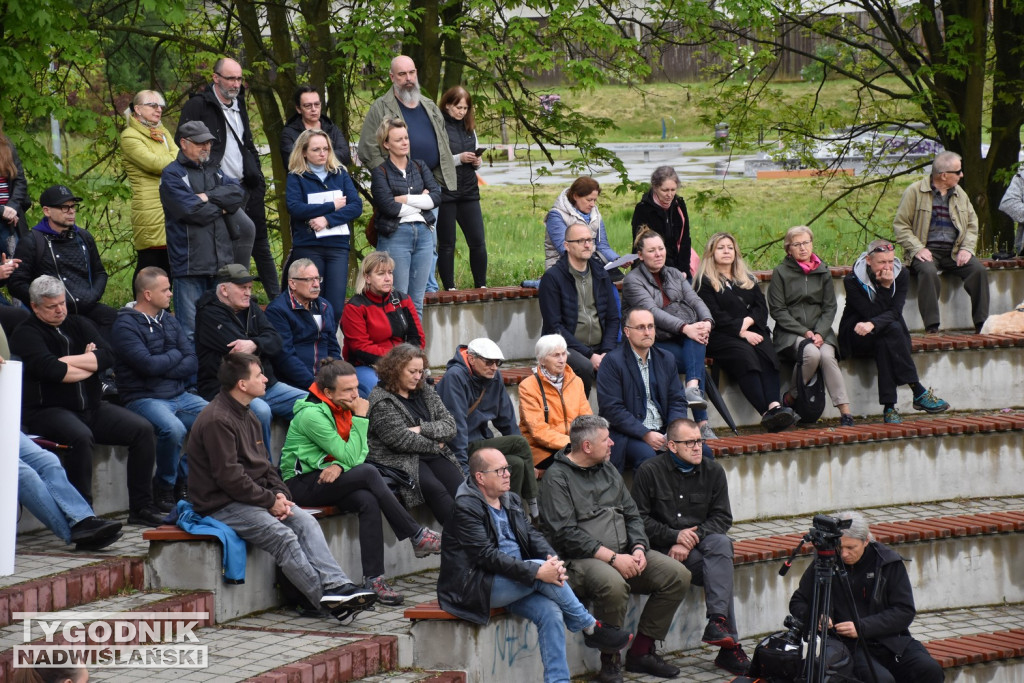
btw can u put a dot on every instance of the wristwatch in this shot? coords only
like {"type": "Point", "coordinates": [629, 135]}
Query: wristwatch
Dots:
{"type": "Point", "coordinates": [611, 561]}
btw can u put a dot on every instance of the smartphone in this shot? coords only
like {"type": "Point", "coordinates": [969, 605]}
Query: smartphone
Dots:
{"type": "Point", "coordinates": [480, 151]}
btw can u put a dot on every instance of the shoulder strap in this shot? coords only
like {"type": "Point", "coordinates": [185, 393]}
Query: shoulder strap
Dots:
{"type": "Point", "coordinates": [477, 401]}
{"type": "Point", "coordinates": [543, 395]}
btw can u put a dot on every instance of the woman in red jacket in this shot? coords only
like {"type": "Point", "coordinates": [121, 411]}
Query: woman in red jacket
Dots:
{"type": "Point", "coordinates": [377, 319]}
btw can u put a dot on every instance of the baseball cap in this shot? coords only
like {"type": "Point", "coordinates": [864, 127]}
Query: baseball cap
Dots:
{"type": "Point", "coordinates": [57, 195]}
{"type": "Point", "coordinates": [234, 273]}
{"type": "Point", "coordinates": [195, 131]}
{"type": "Point", "coordinates": [485, 348]}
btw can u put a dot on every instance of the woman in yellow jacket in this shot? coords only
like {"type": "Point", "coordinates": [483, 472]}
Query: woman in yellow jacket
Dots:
{"type": "Point", "coordinates": [146, 148]}
{"type": "Point", "coordinates": [549, 400]}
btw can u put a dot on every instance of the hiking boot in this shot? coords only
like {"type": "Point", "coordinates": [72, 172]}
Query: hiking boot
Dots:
{"type": "Point", "coordinates": [707, 433]}
{"type": "Point", "coordinates": [181, 490]}
{"type": "Point", "coordinates": [930, 403]}
{"type": "Point", "coordinates": [892, 417]}
{"type": "Point", "coordinates": [163, 496]}
{"type": "Point", "coordinates": [717, 633]}
{"type": "Point", "coordinates": [651, 664]}
{"type": "Point", "coordinates": [147, 516]}
{"type": "Point", "coordinates": [695, 399]}
{"type": "Point", "coordinates": [386, 595]}
{"type": "Point", "coordinates": [607, 638]}
{"type": "Point", "coordinates": [734, 660]}
{"type": "Point", "coordinates": [846, 420]}
{"type": "Point", "coordinates": [429, 544]}
{"type": "Point", "coordinates": [611, 668]}
{"type": "Point", "coordinates": [777, 419]}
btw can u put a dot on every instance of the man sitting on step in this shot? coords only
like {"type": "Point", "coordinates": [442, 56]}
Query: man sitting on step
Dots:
{"type": "Point", "coordinates": [231, 480]}
{"type": "Point", "coordinates": [884, 599]}
{"type": "Point", "coordinates": [492, 557]}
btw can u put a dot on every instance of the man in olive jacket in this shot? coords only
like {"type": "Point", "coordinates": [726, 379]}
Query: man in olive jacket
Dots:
{"type": "Point", "coordinates": [591, 520]}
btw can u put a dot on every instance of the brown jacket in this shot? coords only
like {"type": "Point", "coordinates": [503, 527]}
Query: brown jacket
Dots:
{"type": "Point", "coordinates": [227, 460]}
{"type": "Point", "coordinates": [547, 436]}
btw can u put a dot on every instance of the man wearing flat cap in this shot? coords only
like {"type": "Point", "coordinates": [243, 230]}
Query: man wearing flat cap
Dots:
{"type": "Point", "coordinates": [56, 246]}
{"type": "Point", "coordinates": [229, 321]}
{"type": "Point", "coordinates": [206, 226]}
{"type": "Point", "coordinates": [473, 392]}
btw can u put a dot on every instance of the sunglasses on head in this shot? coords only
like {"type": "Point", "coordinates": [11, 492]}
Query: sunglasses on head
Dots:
{"type": "Point", "coordinates": [882, 248]}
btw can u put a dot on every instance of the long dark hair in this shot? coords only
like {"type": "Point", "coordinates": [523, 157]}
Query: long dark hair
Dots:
{"type": "Point", "coordinates": [7, 167]}
{"type": "Point", "coordinates": [454, 95]}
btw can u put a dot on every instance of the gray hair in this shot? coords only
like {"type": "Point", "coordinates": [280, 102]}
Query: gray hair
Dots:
{"type": "Point", "coordinates": [585, 428]}
{"type": "Point", "coordinates": [795, 232]}
{"type": "Point", "coordinates": [549, 344]}
{"type": "Point", "coordinates": [859, 528]}
{"type": "Point", "coordinates": [45, 287]}
{"type": "Point", "coordinates": [943, 161]}
{"type": "Point", "coordinates": [298, 265]}
{"type": "Point", "coordinates": [661, 174]}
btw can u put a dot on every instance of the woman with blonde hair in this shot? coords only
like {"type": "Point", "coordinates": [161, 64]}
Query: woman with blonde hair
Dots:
{"type": "Point", "coordinates": [323, 203]}
{"type": "Point", "coordinates": [803, 303]}
{"type": "Point", "coordinates": [741, 342]}
{"type": "Point", "coordinates": [146, 148]}
{"type": "Point", "coordinates": [377, 319]}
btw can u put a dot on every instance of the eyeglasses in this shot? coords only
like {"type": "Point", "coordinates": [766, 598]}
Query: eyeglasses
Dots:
{"type": "Point", "coordinates": [229, 79]}
{"type": "Point", "coordinates": [958, 171]}
{"type": "Point", "coordinates": [155, 105]}
{"type": "Point", "coordinates": [583, 240]}
{"type": "Point", "coordinates": [308, 279]}
{"type": "Point", "coordinates": [642, 328]}
{"type": "Point", "coordinates": [689, 443]}
{"type": "Point", "coordinates": [311, 105]}
{"type": "Point", "coordinates": [491, 362]}
{"type": "Point", "coordinates": [500, 471]}
{"type": "Point", "coordinates": [800, 245]}
{"type": "Point", "coordinates": [66, 208]}
{"type": "Point", "coordinates": [882, 248]}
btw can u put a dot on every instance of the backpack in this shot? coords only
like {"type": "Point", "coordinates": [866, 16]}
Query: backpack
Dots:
{"type": "Point", "coordinates": [809, 403]}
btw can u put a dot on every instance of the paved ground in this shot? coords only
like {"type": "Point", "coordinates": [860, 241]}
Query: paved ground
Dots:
{"type": "Point", "coordinates": [251, 645]}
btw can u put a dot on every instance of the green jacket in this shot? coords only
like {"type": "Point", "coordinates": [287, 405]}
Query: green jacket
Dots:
{"type": "Point", "coordinates": [372, 155]}
{"type": "Point", "coordinates": [144, 160]}
{"type": "Point", "coordinates": [914, 218]}
{"type": "Point", "coordinates": [800, 302]}
{"type": "Point", "coordinates": [313, 435]}
{"type": "Point", "coordinates": [578, 502]}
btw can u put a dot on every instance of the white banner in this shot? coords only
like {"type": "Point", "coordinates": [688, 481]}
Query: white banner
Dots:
{"type": "Point", "coordinates": [10, 433]}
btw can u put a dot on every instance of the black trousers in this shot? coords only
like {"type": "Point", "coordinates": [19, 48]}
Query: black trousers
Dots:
{"type": "Point", "coordinates": [107, 424]}
{"type": "Point", "coordinates": [471, 220]}
{"type": "Point", "coordinates": [890, 348]}
{"type": "Point", "coordinates": [360, 490]}
{"type": "Point", "coordinates": [439, 480]}
{"type": "Point", "coordinates": [915, 665]}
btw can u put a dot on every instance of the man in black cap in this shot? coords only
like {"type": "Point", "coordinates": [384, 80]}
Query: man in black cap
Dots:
{"type": "Point", "coordinates": [229, 321]}
{"type": "Point", "coordinates": [206, 226]}
{"type": "Point", "coordinates": [56, 246]}
{"type": "Point", "coordinates": [221, 108]}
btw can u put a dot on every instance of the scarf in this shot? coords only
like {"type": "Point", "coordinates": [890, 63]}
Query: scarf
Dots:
{"type": "Point", "coordinates": [342, 416]}
{"type": "Point", "coordinates": [556, 382]}
{"type": "Point", "coordinates": [811, 265]}
{"type": "Point", "coordinates": [657, 201]}
{"type": "Point", "coordinates": [681, 464]}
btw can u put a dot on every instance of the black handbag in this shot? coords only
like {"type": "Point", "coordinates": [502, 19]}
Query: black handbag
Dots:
{"type": "Point", "coordinates": [810, 398]}
{"type": "Point", "coordinates": [394, 477]}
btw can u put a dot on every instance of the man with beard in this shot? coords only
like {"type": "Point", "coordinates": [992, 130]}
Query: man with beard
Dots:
{"type": "Point", "coordinates": [428, 139]}
{"type": "Point", "coordinates": [202, 209]}
{"type": "Point", "coordinates": [221, 107]}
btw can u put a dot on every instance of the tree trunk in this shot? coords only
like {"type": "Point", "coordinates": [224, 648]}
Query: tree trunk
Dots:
{"type": "Point", "coordinates": [1007, 116]}
{"type": "Point", "coordinates": [423, 45]}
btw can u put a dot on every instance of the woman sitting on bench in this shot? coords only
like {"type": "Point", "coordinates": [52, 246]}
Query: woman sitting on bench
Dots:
{"type": "Point", "coordinates": [323, 463]}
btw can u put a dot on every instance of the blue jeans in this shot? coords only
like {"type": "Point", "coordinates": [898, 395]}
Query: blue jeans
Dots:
{"type": "Point", "coordinates": [44, 489]}
{"type": "Point", "coordinates": [432, 280]}
{"type": "Point", "coordinates": [297, 544]}
{"type": "Point", "coordinates": [277, 402]}
{"type": "Point", "coordinates": [332, 262]}
{"type": "Point", "coordinates": [367, 379]}
{"type": "Point", "coordinates": [187, 290]}
{"type": "Point", "coordinates": [171, 419]}
{"type": "Point", "coordinates": [553, 609]}
{"type": "Point", "coordinates": [689, 357]}
{"type": "Point", "coordinates": [412, 248]}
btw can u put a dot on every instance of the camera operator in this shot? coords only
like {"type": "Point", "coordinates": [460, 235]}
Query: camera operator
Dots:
{"type": "Point", "coordinates": [884, 601]}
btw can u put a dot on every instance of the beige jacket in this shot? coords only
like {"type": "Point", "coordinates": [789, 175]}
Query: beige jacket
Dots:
{"type": "Point", "coordinates": [914, 217]}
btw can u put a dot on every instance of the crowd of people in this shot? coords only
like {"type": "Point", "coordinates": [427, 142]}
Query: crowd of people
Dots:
{"type": "Point", "coordinates": [526, 506]}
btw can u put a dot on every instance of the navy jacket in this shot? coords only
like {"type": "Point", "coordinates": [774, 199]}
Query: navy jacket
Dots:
{"type": "Point", "coordinates": [152, 356]}
{"type": "Point", "coordinates": [299, 187]}
{"type": "Point", "coordinates": [559, 305]}
{"type": "Point", "coordinates": [217, 326]}
{"type": "Point", "coordinates": [621, 395]}
{"type": "Point", "coordinates": [198, 242]}
{"type": "Point", "coordinates": [304, 343]}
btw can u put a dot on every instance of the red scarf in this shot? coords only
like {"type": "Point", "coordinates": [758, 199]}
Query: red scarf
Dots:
{"type": "Point", "coordinates": [342, 416]}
